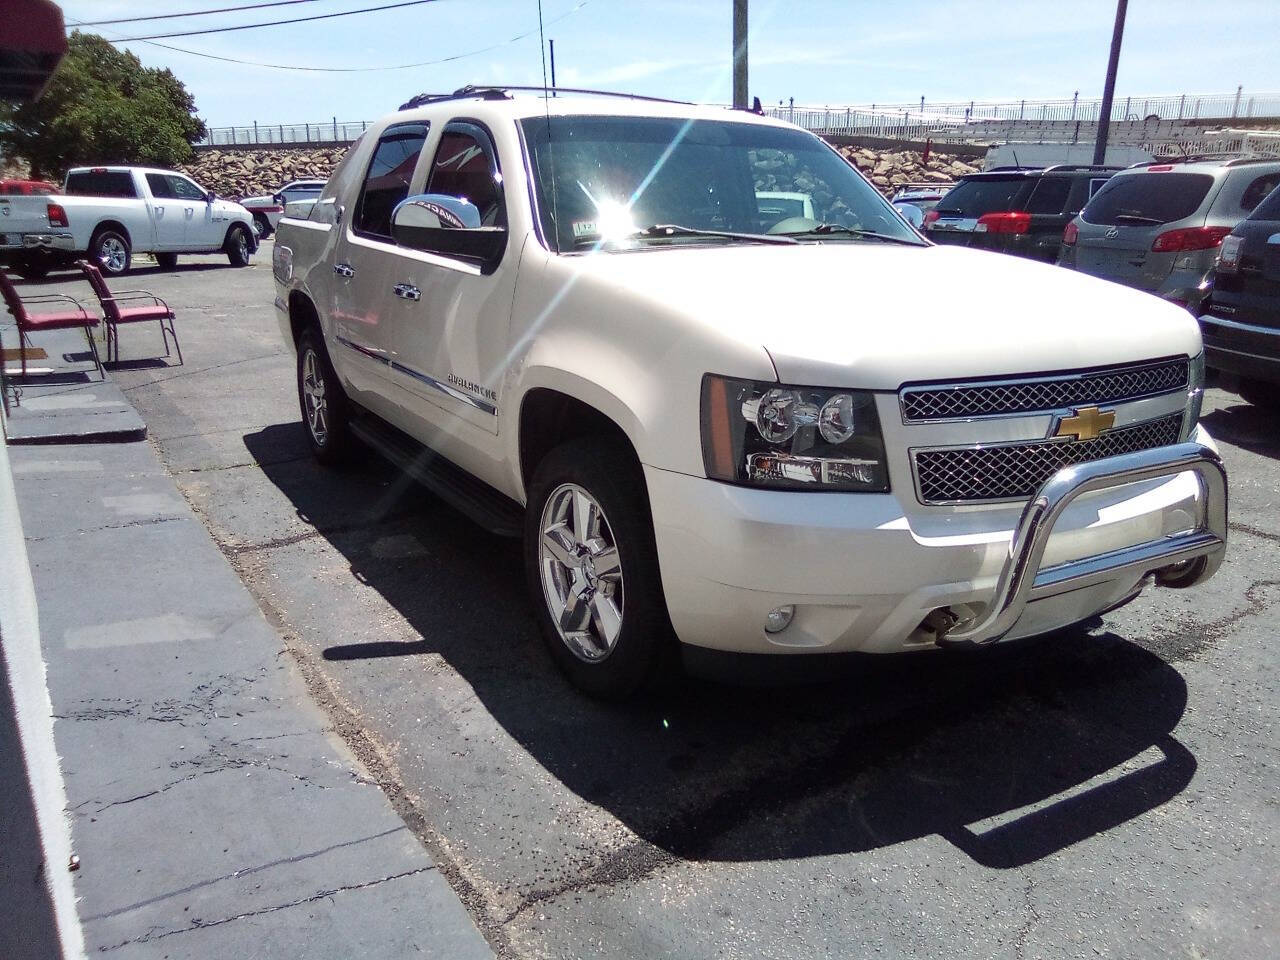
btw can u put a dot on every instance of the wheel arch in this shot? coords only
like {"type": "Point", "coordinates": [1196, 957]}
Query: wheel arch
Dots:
{"type": "Point", "coordinates": [115, 225]}
{"type": "Point", "coordinates": [302, 314]}
{"type": "Point", "coordinates": [550, 417]}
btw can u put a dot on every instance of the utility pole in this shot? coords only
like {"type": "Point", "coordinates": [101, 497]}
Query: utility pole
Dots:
{"type": "Point", "coordinates": [553, 66]}
{"type": "Point", "coordinates": [1109, 89]}
{"type": "Point", "coordinates": [740, 54]}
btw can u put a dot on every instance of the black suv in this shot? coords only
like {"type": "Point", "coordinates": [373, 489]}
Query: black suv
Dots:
{"type": "Point", "coordinates": [1240, 319]}
{"type": "Point", "coordinates": [1018, 211]}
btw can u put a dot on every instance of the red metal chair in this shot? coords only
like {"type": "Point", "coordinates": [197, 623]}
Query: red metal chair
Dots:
{"type": "Point", "coordinates": [114, 314]}
{"type": "Point", "coordinates": [29, 323]}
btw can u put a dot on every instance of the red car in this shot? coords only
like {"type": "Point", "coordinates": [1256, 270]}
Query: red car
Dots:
{"type": "Point", "coordinates": [27, 188]}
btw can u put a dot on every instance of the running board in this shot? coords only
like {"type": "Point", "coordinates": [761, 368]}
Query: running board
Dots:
{"type": "Point", "coordinates": [492, 510]}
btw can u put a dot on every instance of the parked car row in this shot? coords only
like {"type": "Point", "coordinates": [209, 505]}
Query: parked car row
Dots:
{"type": "Point", "coordinates": [1159, 227]}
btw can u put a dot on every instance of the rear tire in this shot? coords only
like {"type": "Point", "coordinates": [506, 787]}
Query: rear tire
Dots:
{"type": "Point", "coordinates": [592, 569]}
{"type": "Point", "coordinates": [238, 245]}
{"type": "Point", "coordinates": [33, 268]}
{"type": "Point", "coordinates": [1260, 393]}
{"type": "Point", "coordinates": [166, 261]}
{"type": "Point", "coordinates": [325, 410]}
{"type": "Point", "coordinates": [110, 250]}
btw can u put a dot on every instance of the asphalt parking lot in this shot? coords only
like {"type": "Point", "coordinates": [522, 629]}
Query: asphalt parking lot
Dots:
{"type": "Point", "coordinates": [1108, 792]}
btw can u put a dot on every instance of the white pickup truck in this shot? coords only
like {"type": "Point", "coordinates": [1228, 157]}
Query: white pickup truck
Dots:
{"type": "Point", "coordinates": [583, 322]}
{"type": "Point", "coordinates": [109, 213]}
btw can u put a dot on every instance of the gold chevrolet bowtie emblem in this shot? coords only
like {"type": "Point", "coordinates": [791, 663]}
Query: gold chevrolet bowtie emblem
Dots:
{"type": "Point", "coordinates": [1087, 423]}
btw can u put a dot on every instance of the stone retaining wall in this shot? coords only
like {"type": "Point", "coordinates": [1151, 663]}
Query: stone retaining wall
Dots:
{"type": "Point", "coordinates": [244, 173]}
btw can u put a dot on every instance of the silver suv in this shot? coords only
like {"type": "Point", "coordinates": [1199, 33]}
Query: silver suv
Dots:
{"type": "Point", "coordinates": [1157, 227]}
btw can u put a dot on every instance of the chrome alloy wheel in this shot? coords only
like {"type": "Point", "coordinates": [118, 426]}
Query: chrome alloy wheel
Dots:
{"type": "Point", "coordinates": [242, 244]}
{"type": "Point", "coordinates": [112, 253]}
{"type": "Point", "coordinates": [581, 573]}
{"type": "Point", "coordinates": [313, 398]}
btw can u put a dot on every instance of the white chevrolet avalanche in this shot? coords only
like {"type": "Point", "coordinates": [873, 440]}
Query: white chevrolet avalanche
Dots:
{"type": "Point", "coordinates": [719, 425]}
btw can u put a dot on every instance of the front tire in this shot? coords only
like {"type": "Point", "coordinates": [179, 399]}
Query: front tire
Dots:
{"type": "Point", "coordinates": [238, 246]}
{"type": "Point", "coordinates": [1261, 394]}
{"type": "Point", "coordinates": [325, 410]}
{"type": "Point", "coordinates": [110, 250]}
{"type": "Point", "coordinates": [264, 225]}
{"type": "Point", "coordinates": [592, 568]}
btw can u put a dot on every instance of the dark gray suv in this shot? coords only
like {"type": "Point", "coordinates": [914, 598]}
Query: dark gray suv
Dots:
{"type": "Point", "coordinates": [1157, 227]}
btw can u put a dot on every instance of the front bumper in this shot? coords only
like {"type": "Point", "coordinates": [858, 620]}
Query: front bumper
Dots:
{"type": "Point", "coordinates": [1244, 349]}
{"type": "Point", "coordinates": [865, 575]}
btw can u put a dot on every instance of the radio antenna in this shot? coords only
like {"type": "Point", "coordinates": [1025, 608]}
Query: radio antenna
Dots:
{"type": "Point", "coordinates": [546, 102]}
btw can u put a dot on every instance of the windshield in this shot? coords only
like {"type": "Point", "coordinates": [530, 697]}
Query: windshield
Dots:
{"type": "Point", "coordinates": [1152, 198]}
{"type": "Point", "coordinates": [601, 178]}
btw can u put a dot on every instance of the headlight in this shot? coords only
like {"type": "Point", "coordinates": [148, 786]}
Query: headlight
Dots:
{"type": "Point", "coordinates": [801, 438]}
{"type": "Point", "coordinates": [1195, 396]}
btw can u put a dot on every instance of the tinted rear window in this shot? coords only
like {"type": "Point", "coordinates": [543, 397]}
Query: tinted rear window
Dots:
{"type": "Point", "coordinates": [973, 198]}
{"type": "Point", "coordinates": [101, 183]}
{"type": "Point", "coordinates": [1050, 195]}
{"type": "Point", "coordinates": [1268, 209]}
{"type": "Point", "coordinates": [1148, 198]}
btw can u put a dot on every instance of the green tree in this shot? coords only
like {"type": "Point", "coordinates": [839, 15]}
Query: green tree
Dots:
{"type": "Point", "coordinates": [103, 106]}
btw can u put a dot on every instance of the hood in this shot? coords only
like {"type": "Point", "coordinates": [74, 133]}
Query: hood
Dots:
{"type": "Point", "coordinates": [876, 316]}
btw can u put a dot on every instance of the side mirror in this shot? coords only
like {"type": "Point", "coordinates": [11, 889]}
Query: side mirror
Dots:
{"type": "Point", "coordinates": [911, 213]}
{"type": "Point", "coordinates": [210, 197]}
{"type": "Point", "coordinates": [450, 226]}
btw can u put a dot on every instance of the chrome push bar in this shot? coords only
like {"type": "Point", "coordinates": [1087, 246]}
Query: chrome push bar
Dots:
{"type": "Point", "coordinates": [1022, 581]}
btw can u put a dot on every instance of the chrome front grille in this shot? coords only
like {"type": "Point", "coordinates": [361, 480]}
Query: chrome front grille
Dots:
{"type": "Point", "coordinates": [1014, 471]}
{"type": "Point", "coordinates": [1042, 394]}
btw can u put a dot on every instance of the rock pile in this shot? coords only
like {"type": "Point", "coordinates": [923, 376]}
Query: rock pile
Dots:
{"type": "Point", "coordinates": [236, 174]}
{"type": "Point", "coordinates": [888, 169]}
{"type": "Point", "coordinates": [245, 173]}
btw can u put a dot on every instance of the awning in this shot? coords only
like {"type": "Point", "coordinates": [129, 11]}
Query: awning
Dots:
{"type": "Point", "coordinates": [32, 42]}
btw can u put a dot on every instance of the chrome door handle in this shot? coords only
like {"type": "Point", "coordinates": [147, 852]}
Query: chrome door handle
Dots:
{"type": "Point", "coordinates": [344, 269]}
{"type": "Point", "coordinates": [407, 291]}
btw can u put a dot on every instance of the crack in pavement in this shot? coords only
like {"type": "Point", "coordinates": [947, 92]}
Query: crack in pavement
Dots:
{"type": "Point", "coordinates": [150, 521]}
{"type": "Point", "coordinates": [1033, 917]}
{"type": "Point", "coordinates": [197, 924]}
{"type": "Point", "coordinates": [246, 872]}
{"type": "Point", "coordinates": [1176, 645]}
{"type": "Point", "coordinates": [250, 463]}
{"type": "Point", "coordinates": [198, 371]}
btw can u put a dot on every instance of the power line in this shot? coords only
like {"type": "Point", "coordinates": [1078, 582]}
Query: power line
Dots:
{"type": "Point", "coordinates": [401, 66]}
{"type": "Point", "coordinates": [277, 23]}
{"type": "Point", "coordinates": [193, 13]}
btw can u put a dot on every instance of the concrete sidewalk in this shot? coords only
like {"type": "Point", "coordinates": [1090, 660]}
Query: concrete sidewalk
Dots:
{"type": "Point", "coordinates": [214, 813]}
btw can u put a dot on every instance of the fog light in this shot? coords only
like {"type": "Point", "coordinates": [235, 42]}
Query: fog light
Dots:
{"type": "Point", "coordinates": [779, 618]}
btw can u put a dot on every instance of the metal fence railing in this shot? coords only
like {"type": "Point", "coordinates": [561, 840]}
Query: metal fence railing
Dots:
{"type": "Point", "coordinates": [1185, 106]}
{"type": "Point", "coordinates": [292, 134]}
{"type": "Point", "coordinates": [918, 120]}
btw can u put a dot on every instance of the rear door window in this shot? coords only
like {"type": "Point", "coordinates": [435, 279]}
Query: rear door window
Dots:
{"type": "Point", "coordinates": [1257, 191]}
{"type": "Point", "coordinates": [973, 198]}
{"type": "Point", "coordinates": [1049, 196]}
{"type": "Point", "coordinates": [387, 181]}
{"type": "Point", "coordinates": [101, 183]}
{"type": "Point", "coordinates": [1148, 198]}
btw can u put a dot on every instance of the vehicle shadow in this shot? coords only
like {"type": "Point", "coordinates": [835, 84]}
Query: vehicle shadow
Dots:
{"type": "Point", "coordinates": [1011, 755]}
{"type": "Point", "coordinates": [1246, 426]}
{"type": "Point", "coordinates": [62, 275]}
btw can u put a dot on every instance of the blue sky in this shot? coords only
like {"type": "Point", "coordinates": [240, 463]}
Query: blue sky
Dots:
{"type": "Point", "coordinates": [818, 51]}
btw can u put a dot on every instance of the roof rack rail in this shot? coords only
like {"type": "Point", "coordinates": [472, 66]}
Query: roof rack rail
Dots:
{"type": "Point", "coordinates": [1228, 159]}
{"type": "Point", "coordinates": [1060, 167]}
{"type": "Point", "coordinates": [501, 92]}
{"type": "Point", "coordinates": [1012, 168]}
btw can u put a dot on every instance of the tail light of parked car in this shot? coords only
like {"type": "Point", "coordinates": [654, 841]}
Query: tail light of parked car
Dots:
{"type": "Point", "coordinates": [1014, 221]}
{"type": "Point", "coordinates": [57, 215]}
{"type": "Point", "coordinates": [1071, 234]}
{"type": "Point", "coordinates": [1189, 238]}
{"type": "Point", "coordinates": [1229, 255]}
{"type": "Point", "coordinates": [929, 217]}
